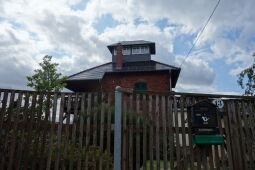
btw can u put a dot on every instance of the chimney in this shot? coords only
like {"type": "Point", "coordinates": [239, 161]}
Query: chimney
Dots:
{"type": "Point", "coordinates": [119, 56]}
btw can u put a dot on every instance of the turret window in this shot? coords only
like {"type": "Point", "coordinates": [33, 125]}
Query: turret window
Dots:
{"type": "Point", "coordinates": [125, 51]}
{"type": "Point", "coordinates": [140, 50]}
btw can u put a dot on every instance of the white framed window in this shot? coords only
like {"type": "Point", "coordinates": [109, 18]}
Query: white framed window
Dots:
{"type": "Point", "coordinates": [125, 51]}
{"type": "Point", "coordinates": [140, 50]}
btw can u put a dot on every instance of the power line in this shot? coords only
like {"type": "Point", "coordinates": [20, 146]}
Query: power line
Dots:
{"type": "Point", "coordinates": [202, 30]}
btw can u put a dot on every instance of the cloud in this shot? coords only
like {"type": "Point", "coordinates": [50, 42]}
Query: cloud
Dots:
{"type": "Point", "coordinates": [31, 29]}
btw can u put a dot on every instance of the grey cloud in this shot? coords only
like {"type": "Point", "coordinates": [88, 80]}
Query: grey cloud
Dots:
{"type": "Point", "coordinates": [196, 73]}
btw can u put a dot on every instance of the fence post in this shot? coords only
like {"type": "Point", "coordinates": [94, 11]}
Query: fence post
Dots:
{"type": "Point", "coordinates": [117, 129]}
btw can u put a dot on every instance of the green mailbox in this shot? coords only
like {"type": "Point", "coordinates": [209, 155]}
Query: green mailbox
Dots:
{"type": "Point", "coordinates": [203, 121]}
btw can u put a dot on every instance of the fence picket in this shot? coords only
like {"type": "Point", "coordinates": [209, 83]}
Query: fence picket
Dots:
{"type": "Point", "coordinates": [137, 134]}
{"type": "Point", "coordinates": [157, 132]}
{"type": "Point", "coordinates": [102, 121]}
{"type": "Point", "coordinates": [13, 143]}
{"type": "Point", "coordinates": [88, 128]}
{"type": "Point", "coordinates": [177, 139]}
{"type": "Point", "coordinates": [21, 153]}
{"type": "Point", "coordinates": [75, 122]}
{"type": "Point", "coordinates": [151, 135]}
{"type": "Point", "coordinates": [171, 134]}
{"type": "Point", "coordinates": [109, 126]}
{"type": "Point", "coordinates": [131, 133]}
{"type": "Point", "coordinates": [3, 139]}
{"type": "Point", "coordinates": [228, 136]}
{"type": "Point", "coordinates": [163, 102]}
{"type": "Point", "coordinates": [145, 118]}
{"type": "Point", "coordinates": [59, 132]}
{"type": "Point", "coordinates": [124, 132]}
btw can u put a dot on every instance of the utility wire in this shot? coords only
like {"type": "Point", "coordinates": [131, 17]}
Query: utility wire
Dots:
{"type": "Point", "coordinates": [202, 30]}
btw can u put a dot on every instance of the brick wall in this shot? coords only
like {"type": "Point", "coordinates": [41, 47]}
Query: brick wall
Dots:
{"type": "Point", "coordinates": [156, 81]}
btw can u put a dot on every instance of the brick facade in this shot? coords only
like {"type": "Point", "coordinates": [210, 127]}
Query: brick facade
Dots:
{"type": "Point", "coordinates": [156, 81]}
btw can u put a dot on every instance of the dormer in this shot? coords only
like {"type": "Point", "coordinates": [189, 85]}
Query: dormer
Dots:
{"type": "Point", "coordinates": [133, 51]}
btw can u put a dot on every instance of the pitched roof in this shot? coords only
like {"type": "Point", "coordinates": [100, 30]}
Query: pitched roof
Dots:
{"type": "Point", "coordinates": [98, 72]}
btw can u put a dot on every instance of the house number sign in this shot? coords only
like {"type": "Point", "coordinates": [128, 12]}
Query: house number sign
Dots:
{"type": "Point", "coordinates": [219, 103]}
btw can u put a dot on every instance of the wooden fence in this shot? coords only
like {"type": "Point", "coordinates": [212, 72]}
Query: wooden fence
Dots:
{"type": "Point", "coordinates": [55, 130]}
{"type": "Point", "coordinates": [156, 133]}
{"type": "Point", "coordinates": [75, 131]}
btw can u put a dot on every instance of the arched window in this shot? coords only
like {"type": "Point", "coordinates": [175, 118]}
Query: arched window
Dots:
{"type": "Point", "coordinates": [140, 86]}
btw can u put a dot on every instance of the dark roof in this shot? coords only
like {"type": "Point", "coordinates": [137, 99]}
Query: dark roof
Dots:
{"type": "Point", "coordinates": [97, 73]}
{"type": "Point", "coordinates": [134, 43]}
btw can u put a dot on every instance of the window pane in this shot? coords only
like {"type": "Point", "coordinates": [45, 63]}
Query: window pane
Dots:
{"type": "Point", "coordinates": [140, 86]}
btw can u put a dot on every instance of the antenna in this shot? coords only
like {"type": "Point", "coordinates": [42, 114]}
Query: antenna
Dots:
{"type": "Point", "coordinates": [199, 35]}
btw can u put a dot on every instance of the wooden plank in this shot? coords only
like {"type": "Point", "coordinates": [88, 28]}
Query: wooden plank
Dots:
{"type": "Point", "coordinates": [240, 130]}
{"type": "Point", "coordinates": [151, 135]}
{"type": "Point", "coordinates": [219, 159]}
{"type": "Point", "coordinates": [81, 129]}
{"type": "Point", "coordinates": [163, 102]}
{"type": "Point", "coordinates": [227, 120]}
{"type": "Point", "coordinates": [251, 133]}
{"type": "Point", "coordinates": [88, 128]}
{"type": "Point", "coordinates": [66, 137]}
{"type": "Point", "coordinates": [52, 132]}
{"type": "Point", "coordinates": [75, 122]}
{"type": "Point", "coordinates": [171, 134]}
{"type": "Point", "coordinates": [191, 149]}
{"type": "Point", "coordinates": [109, 125]}
{"type": "Point", "coordinates": [95, 114]}
{"type": "Point", "coordinates": [177, 139]}
{"type": "Point", "coordinates": [124, 132]}
{"type": "Point", "coordinates": [21, 152]}
{"type": "Point", "coordinates": [235, 137]}
{"type": "Point", "coordinates": [222, 150]}
{"type": "Point", "coordinates": [145, 123]}
{"type": "Point", "coordinates": [38, 113]}
{"type": "Point", "coordinates": [13, 143]}
{"type": "Point", "coordinates": [59, 132]}
{"type": "Point", "coordinates": [102, 121]}
{"type": "Point", "coordinates": [131, 134]}
{"type": "Point", "coordinates": [185, 158]}
{"type": "Point", "coordinates": [248, 136]}
{"type": "Point", "coordinates": [3, 140]}
{"type": "Point", "coordinates": [45, 132]}
{"type": "Point", "coordinates": [3, 108]}
{"type": "Point", "coordinates": [137, 135]}
{"type": "Point", "coordinates": [157, 132]}
{"type": "Point", "coordinates": [216, 156]}
{"type": "Point", "coordinates": [29, 143]}
{"type": "Point", "coordinates": [210, 157]}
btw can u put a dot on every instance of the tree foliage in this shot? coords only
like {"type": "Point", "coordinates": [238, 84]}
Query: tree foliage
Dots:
{"type": "Point", "coordinates": [246, 79]}
{"type": "Point", "coordinates": [47, 78]}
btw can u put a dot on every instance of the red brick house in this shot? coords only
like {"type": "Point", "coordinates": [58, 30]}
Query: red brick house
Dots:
{"type": "Point", "coordinates": [131, 67]}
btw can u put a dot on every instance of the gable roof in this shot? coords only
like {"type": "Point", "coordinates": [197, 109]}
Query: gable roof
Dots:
{"type": "Point", "coordinates": [98, 72]}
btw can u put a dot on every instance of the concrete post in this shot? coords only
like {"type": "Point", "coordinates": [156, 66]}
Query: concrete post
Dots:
{"type": "Point", "coordinates": [117, 129]}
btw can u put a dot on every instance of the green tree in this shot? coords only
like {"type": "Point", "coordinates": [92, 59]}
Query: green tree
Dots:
{"type": "Point", "coordinates": [246, 79]}
{"type": "Point", "coordinates": [47, 78]}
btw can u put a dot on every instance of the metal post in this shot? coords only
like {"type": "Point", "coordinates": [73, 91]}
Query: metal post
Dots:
{"type": "Point", "coordinates": [117, 129]}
